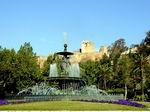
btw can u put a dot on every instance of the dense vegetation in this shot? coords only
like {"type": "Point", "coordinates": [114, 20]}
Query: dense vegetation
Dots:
{"type": "Point", "coordinates": [18, 69]}
{"type": "Point", "coordinates": [124, 70]}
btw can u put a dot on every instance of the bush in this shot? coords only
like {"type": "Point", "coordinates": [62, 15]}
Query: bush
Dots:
{"type": "Point", "coordinates": [139, 97]}
{"type": "Point", "coordinates": [116, 91]}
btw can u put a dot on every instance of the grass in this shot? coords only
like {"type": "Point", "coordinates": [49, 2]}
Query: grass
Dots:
{"type": "Point", "coordinates": [70, 105]}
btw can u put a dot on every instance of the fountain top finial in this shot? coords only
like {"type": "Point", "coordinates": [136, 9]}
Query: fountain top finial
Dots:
{"type": "Point", "coordinates": [65, 53]}
{"type": "Point", "coordinates": [65, 47]}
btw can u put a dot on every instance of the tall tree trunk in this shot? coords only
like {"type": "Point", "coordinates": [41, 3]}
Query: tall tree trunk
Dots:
{"type": "Point", "coordinates": [142, 84]}
{"type": "Point", "coordinates": [125, 91]}
{"type": "Point", "coordinates": [142, 78]}
{"type": "Point", "coordinates": [105, 86]}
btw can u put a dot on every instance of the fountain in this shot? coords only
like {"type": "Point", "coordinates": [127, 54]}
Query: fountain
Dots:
{"type": "Point", "coordinates": [66, 83]}
{"type": "Point", "coordinates": [69, 74]}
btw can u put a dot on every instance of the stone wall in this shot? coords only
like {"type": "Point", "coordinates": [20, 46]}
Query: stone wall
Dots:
{"type": "Point", "coordinates": [87, 47]}
{"type": "Point", "coordinates": [41, 60]}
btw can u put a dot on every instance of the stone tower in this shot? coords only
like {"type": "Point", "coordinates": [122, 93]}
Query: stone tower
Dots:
{"type": "Point", "coordinates": [104, 50]}
{"type": "Point", "coordinates": [87, 46]}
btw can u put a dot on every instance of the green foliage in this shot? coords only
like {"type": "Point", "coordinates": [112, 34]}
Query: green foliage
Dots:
{"type": "Point", "coordinates": [141, 64]}
{"type": "Point", "coordinates": [105, 71]}
{"type": "Point", "coordinates": [18, 70]}
{"type": "Point", "coordinates": [139, 97]}
{"type": "Point", "coordinates": [89, 71]}
{"type": "Point", "coordinates": [98, 73]}
{"type": "Point", "coordinates": [116, 91]}
{"type": "Point", "coordinates": [27, 72]}
{"type": "Point", "coordinates": [7, 65]}
{"type": "Point", "coordinates": [117, 48]}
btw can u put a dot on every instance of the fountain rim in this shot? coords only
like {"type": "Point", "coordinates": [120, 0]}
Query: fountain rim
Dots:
{"type": "Point", "coordinates": [64, 53]}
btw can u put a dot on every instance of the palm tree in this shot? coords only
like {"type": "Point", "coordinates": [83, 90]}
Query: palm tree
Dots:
{"type": "Point", "coordinates": [143, 61]}
{"type": "Point", "coordinates": [125, 65]}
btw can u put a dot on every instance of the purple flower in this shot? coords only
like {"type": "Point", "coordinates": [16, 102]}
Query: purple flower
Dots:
{"type": "Point", "coordinates": [126, 102]}
{"type": "Point", "coordinates": [122, 102]}
{"type": "Point", "coordinates": [2, 102]}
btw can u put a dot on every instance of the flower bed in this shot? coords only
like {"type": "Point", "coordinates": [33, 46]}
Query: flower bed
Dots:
{"type": "Point", "coordinates": [3, 102]}
{"type": "Point", "coordinates": [122, 102]}
{"type": "Point", "coordinates": [126, 102]}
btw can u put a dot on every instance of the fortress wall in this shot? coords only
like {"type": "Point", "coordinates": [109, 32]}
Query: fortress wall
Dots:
{"type": "Point", "coordinates": [87, 47]}
{"type": "Point", "coordinates": [41, 60]}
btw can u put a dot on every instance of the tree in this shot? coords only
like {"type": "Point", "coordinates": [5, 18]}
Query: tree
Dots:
{"type": "Point", "coordinates": [27, 69]}
{"type": "Point", "coordinates": [105, 71]}
{"type": "Point", "coordinates": [89, 71]}
{"type": "Point", "coordinates": [144, 52]}
{"type": "Point", "coordinates": [142, 61]}
{"type": "Point", "coordinates": [125, 66]}
{"type": "Point", "coordinates": [7, 65]}
{"type": "Point", "coordinates": [117, 48]}
{"type": "Point", "coordinates": [146, 41]}
{"type": "Point", "coordinates": [115, 51]}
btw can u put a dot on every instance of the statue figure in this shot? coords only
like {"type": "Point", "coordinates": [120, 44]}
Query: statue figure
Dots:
{"type": "Point", "coordinates": [64, 66]}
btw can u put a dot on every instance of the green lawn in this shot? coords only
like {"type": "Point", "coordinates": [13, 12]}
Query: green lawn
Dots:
{"type": "Point", "coordinates": [69, 105]}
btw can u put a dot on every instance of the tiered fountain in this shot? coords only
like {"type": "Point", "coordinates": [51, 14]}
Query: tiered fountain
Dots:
{"type": "Point", "coordinates": [69, 75]}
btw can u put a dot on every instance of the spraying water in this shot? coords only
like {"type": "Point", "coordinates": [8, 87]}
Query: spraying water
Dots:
{"type": "Point", "coordinates": [74, 70]}
{"type": "Point", "coordinates": [53, 70]}
{"type": "Point", "coordinates": [84, 93]}
{"type": "Point", "coordinates": [39, 89]}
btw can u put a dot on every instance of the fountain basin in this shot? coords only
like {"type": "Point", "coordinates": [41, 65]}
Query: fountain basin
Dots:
{"type": "Point", "coordinates": [67, 82]}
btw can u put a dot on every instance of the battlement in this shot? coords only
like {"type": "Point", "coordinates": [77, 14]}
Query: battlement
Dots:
{"type": "Point", "coordinates": [87, 46]}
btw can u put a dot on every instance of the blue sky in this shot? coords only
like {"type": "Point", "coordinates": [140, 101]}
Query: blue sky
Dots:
{"type": "Point", "coordinates": [42, 23]}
